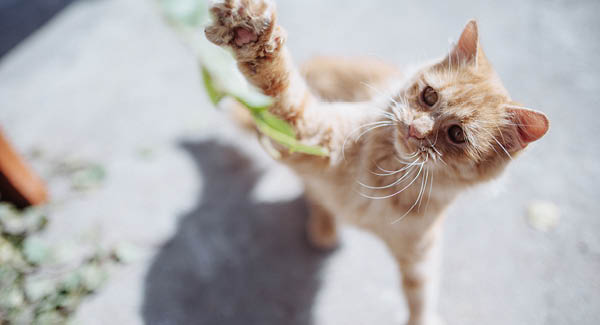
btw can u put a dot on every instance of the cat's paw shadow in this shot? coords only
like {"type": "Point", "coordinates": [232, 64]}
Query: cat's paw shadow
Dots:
{"type": "Point", "coordinates": [232, 260]}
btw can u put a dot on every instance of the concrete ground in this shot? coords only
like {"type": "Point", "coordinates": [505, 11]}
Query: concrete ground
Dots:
{"type": "Point", "coordinates": [222, 242]}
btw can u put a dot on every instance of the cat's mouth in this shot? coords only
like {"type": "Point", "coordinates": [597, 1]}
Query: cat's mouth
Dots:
{"type": "Point", "coordinates": [414, 150]}
{"type": "Point", "coordinates": [410, 145]}
{"type": "Point", "coordinates": [408, 148]}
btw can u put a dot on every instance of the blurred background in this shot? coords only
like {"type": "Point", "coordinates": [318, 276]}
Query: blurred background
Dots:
{"type": "Point", "coordinates": [109, 90]}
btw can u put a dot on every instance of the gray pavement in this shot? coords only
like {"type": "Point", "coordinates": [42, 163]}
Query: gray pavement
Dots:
{"type": "Point", "coordinates": [222, 239]}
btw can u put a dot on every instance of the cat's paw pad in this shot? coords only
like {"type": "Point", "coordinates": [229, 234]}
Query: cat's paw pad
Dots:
{"type": "Point", "coordinates": [248, 26]}
{"type": "Point", "coordinates": [244, 36]}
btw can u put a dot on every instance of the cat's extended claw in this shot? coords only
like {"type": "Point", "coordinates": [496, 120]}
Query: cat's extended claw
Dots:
{"type": "Point", "coordinates": [247, 26]}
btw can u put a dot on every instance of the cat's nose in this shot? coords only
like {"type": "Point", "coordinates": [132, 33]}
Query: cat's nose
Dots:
{"type": "Point", "coordinates": [420, 127]}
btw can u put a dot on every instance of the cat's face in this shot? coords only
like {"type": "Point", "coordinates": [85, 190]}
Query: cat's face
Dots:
{"type": "Point", "coordinates": [458, 119]}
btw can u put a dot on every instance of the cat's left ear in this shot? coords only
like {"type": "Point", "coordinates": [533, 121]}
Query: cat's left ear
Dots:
{"type": "Point", "coordinates": [525, 125]}
{"type": "Point", "coordinates": [467, 49]}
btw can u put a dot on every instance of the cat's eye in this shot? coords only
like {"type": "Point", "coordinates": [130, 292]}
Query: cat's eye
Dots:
{"type": "Point", "coordinates": [429, 96]}
{"type": "Point", "coordinates": [456, 134]}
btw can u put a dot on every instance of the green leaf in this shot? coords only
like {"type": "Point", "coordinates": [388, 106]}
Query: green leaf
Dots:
{"type": "Point", "coordinates": [8, 277]}
{"type": "Point", "coordinates": [7, 210]}
{"type": "Point", "coordinates": [11, 256]}
{"type": "Point", "coordinates": [35, 250]}
{"type": "Point", "coordinates": [11, 220]}
{"type": "Point", "coordinates": [213, 93]}
{"type": "Point", "coordinates": [49, 317]}
{"type": "Point", "coordinates": [256, 107]}
{"type": "Point", "coordinates": [92, 276]}
{"type": "Point", "coordinates": [88, 177]}
{"type": "Point", "coordinates": [288, 141]}
{"type": "Point", "coordinates": [276, 123]}
{"type": "Point", "coordinates": [36, 289]}
{"type": "Point", "coordinates": [11, 298]}
{"type": "Point", "coordinates": [269, 124]}
{"type": "Point", "coordinates": [22, 315]}
{"type": "Point", "coordinates": [71, 281]}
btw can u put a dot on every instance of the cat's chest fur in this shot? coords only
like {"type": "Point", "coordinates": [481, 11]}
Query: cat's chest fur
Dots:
{"type": "Point", "coordinates": [348, 191]}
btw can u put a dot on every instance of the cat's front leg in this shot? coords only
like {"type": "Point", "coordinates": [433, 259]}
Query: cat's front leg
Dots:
{"type": "Point", "coordinates": [321, 227]}
{"type": "Point", "coordinates": [419, 262]}
{"type": "Point", "coordinates": [249, 28]}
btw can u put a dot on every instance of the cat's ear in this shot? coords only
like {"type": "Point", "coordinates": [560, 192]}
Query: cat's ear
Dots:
{"type": "Point", "coordinates": [467, 48]}
{"type": "Point", "coordinates": [525, 125]}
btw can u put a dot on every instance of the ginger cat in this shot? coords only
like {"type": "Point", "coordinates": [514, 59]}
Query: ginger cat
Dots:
{"type": "Point", "coordinates": [397, 159]}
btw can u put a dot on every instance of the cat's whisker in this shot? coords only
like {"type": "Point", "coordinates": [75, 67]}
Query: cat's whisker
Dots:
{"type": "Point", "coordinates": [423, 189]}
{"type": "Point", "coordinates": [436, 151]}
{"type": "Point", "coordinates": [402, 105]}
{"type": "Point", "coordinates": [396, 193]}
{"type": "Point", "coordinates": [434, 148]}
{"type": "Point", "coordinates": [398, 181]}
{"type": "Point", "coordinates": [378, 91]}
{"type": "Point", "coordinates": [437, 132]}
{"type": "Point", "coordinates": [518, 124]}
{"type": "Point", "coordinates": [390, 172]}
{"type": "Point", "coordinates": [372, 128]}
{"type": "Point", "coordinates": [491, 145]}
{"type": "Point", "coordinates": [395, 110]}
{"type": "Point", "coordinates": [403, 161]}
{"type": "Point", "coordinates": [518, 107]}
{"type": "Point", "coordinates": [442, 160]}
{"type": "Point", "coordinates": [389, 115]}
{"type": "Point", "coordinates": [392, 119]}
{"type": "Point", "coordinates": [370, 124]}
{"type": "Point", "coordinates": [430, 188]}
{"type": "Point", "coordinates": [412, 155]}
{"type": "Point", "coordinates": [385, 174]}
{"type": "Point", "coordinates": [377, 124]}
{"type": "Point", "coordinates": [414, 204]}
{"type": "Point", "coordinates": [501, 135]}
{"type": "Point", "coordinates": [395, 105]}
{"type": "Point", "coordinates": [501, 146]}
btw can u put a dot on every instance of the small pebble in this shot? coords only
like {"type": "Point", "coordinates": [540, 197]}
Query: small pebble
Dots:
{"type": "Point", "coordinates": [543, 215]}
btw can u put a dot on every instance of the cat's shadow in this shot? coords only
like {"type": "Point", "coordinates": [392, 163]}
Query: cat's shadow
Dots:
{"type": "Point", "coordinates": [232, 260]}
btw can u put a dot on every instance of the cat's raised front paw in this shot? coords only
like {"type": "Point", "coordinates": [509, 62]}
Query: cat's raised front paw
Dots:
{"type": "Point", "coordinates": [247, 26]}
